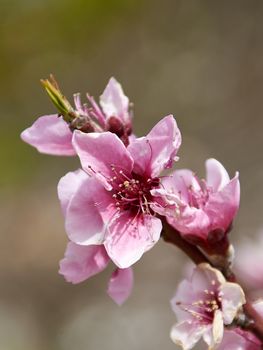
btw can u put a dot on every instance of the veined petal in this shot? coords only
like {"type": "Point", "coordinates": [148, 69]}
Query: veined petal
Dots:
{"type": "Point", "coordinates": [98, 152]}
{"type": "Point", "coordinates": [82, 262]}
{"type": "Point", "coordinates": [84, 224]}
{"type": "Point", "coordinates": [50, 134]}
{"type": "Point", "coordinates": [216, 175]}
{"type": "Point", "coordinates": [186, 334]}
{"type": "Point", "coordinates": [120, 285]}
{"type": "Point", "coordinates": [128, 238]}
{"type": "Point", "coordinates": [114, 102]}
{"type": "Point", "coordinates": [68, 185]}
{"type": "Point", "coordinates": [156, 151]}
{"type": "Point", "coordinates": [232, 300]}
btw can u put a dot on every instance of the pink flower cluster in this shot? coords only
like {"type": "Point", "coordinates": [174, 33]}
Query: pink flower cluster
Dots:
{"type": "Point", "coordinates": [115, 206]}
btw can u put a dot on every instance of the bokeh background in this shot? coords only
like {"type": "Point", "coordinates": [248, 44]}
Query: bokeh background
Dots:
{"type": "Point", "coordinates": [200, 60]}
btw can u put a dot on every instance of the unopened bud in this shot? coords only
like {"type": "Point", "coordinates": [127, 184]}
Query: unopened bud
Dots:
{"type": "Point", "coordinates": [59, 100]}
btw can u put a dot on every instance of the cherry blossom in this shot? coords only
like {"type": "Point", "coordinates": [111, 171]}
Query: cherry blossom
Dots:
{"type": "Point", "coordinates": [201, 210]}
{"type": "Point", "coordinates": [112, 206]}
{"type": "Point", "coordinates": [52, 134]}
{"type": "Point", "coordinates": [203, 304]}
{"type": "Point", "coordinates": [82, 262]}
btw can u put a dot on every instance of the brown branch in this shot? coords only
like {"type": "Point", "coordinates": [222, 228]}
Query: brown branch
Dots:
{"type": "Point", "coordinates": [172, 236]}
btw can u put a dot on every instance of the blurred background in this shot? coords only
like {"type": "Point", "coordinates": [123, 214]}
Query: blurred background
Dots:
{"type": "Point", "coordinates": [200, 60]}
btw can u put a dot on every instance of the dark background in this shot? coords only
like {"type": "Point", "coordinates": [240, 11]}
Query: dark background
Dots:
{"type": "Point", "coordinates": [200, 60]}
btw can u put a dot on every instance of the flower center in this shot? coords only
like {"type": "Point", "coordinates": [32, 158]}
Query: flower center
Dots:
{"type": "Point", "coordinates": [198, 197]}
{"type": "Point", "coordinates": [205, 307]}
{"type": "Point", "coordinates": [132, 192]}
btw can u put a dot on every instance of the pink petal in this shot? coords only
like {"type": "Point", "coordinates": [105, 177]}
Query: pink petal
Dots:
{"type": "Point", "coordinates": [239, 339]}
{"type": "Point", "coordinates": [191, 221]}
{"type": "Point", "coordinates": [129, 238]}
{"type": "Point", "coordinates": [98, 152]}
{"type": "Point", "coordinates": [120, 285]}
{"type": "Point", "coordinates": [233, 298]}
{"type": "Point", "coordinates": [185, 295]}
{"type": "Point", "coordinates": [179, 183]}
{"type": "Point", "coordinates": [206, 277]}
{"type": "Point", "coordinates": [216, 175]}
{"type": "Point", "coordinates": [84, 223]}
{"type": "Point", "coordinates": [50, 134]}
{"type": "Point", "coordinates": [222, 206]}
{"type": "Point", "coordinates": [114, 102]}
{"type": "Point", "coordinates": [82, 262]}
{"type": "Point", "coordinates": [156, 151]}
{"type": "Point", "coordinates": [68, 185]}
{"type": "Point", "coordinates": [186, 334]}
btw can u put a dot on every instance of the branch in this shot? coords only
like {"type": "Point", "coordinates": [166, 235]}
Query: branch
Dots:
{"type": "Point", "coordinates": [172, 236]}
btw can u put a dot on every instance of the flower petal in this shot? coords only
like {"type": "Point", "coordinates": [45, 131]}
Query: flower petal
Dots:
{"type": "Point", "coordinates": [239, 339]}
{"type": "Point", "coordinates": [68, 186]}
{"type": "Point", "coordinates": [128, 238]}
{"type": "Point", "coordinates": [50, 134]}
{"type": "Point", "coordinates": [98, 152]}
{"type": "Point", "coordinates": [156, 151]}
{"type": "Point", "coordinates": [233, 298]}
{"type": "Point", "coordinates": [218, 328]}
{"type": "Point", "coordinates": [216, 175]}
{"type": "Point", "coordinates": [84, 224]}
{"type": "Point", "coordinates": [185, 295]}
{"type": "Point", "coordinates": [222, 206]}
{"type": "Point", "coordinates": [206, 277]}
{"type": "Point", "coordinates": [187, 334]}
{"type": "Point", "coordinates": [114, 102]}
{"type": "Point", "coordinates": [82, 262]}
{"type": "Point", "coordinates": [120, 285]}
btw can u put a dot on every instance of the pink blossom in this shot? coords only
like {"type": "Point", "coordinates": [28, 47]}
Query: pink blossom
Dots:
{"type": "Point", "coordinates": [52, 134]}
{"type": "Point", "coordinates": [201, 210]}
{"type": "Point", "coordinates": [249, 263]}
{"type": "Point", "coordinates": [82, 262]}
{"type": "Point", "coordinates": [203, 304]}
{"type": "Point", "coordinates": [113, 206]}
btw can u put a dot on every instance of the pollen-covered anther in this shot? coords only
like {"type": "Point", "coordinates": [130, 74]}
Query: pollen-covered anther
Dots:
{"type": "Point", "coordinates": [126, 184]}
